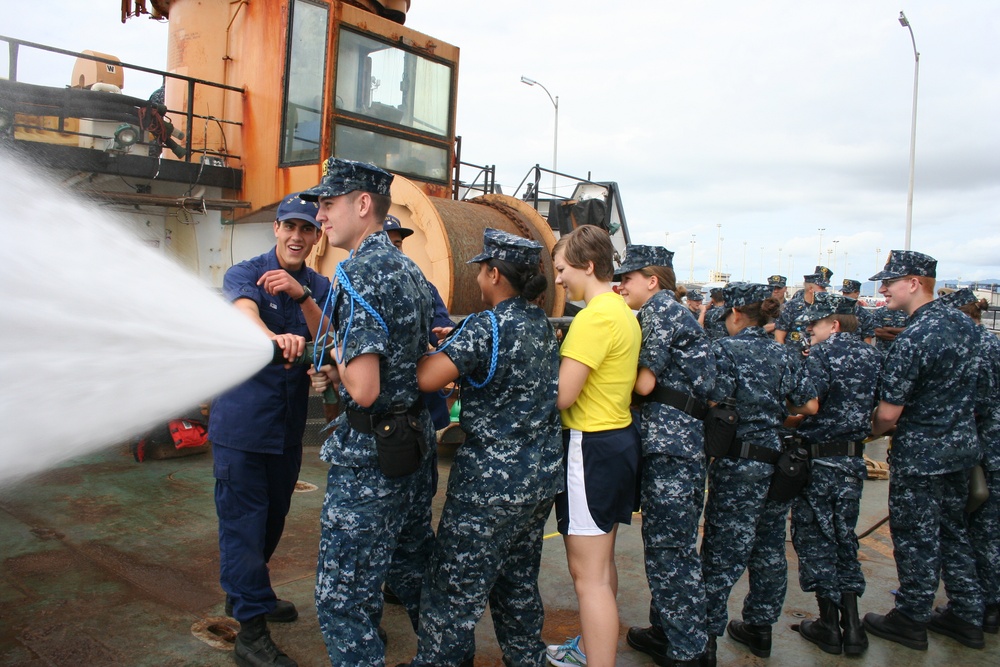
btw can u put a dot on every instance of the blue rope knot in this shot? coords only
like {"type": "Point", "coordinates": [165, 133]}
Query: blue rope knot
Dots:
{"type": "Point", "coordinates": [494, 354]}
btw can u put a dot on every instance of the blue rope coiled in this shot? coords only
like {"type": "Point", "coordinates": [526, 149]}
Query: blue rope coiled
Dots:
{"type": "Point", "coordinates": [494, 354]}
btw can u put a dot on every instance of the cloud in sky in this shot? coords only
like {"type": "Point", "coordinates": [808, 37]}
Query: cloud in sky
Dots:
{"type": "Point", "coordinates": [773, 118]}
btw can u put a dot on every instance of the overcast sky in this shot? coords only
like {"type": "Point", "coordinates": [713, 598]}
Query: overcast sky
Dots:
{"type": "Point", "coordinates": [772, 118]}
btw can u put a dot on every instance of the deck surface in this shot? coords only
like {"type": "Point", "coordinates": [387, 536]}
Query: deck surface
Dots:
{"type": "Point", "coordinates": [104, 561]}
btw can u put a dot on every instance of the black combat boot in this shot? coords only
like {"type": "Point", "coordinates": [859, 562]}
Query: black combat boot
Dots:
{"type": "Point", "coordinates": [254, 647]}
{"type": "Point", "coordinates": [991, 619]}
{"type": "Point", "coordinates": [991, 616]}
{"type": "Point", "coordinates": [757, 637]}
{"type": "Point", "coordinates": [824, 632]}
{"type": "Point", "coordinates": [708, 657]}
{"type": "Point", "coordinates": [898, 627]}
{"type": "Point", "coordinates": [283, 612]}
{"type": "Point", "coordinates": [855, 639]}
{"type": "Point", "coordinates": [653, 643]}
{"type": "Point", "coordinates": [950, 625]}
{"type": "Point", "coordinates": [650, 641]}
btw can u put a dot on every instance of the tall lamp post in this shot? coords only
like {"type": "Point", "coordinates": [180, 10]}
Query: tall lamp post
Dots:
{"type": "Point", "coordinates": [878, 267]}
{"type": "Point", "coordinates": [903, 21]}
{"type": "Point", "coordinates": [718, 250]}
{"type": "Point", "coordinates": [555, 136]}
{"type": "Point", "coordinates": [821, 230]}
{"type": "Point", "coordinates": [691, 276]}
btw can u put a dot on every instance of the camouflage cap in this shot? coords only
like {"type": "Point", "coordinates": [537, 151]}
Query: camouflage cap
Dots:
{"type": "Point", "coordinates": [777, 281]}
{"type": "Point", "coordinates": [823, 275]}
{"type": "Point", "coordinates": [850, 286]}
{"type": "Point", "coordinates": [343, 176]}
{"type": "Point", "coordinates": [500, 245]}
{"type": "Point", "coordinates": [902, 263]}
{"type": "Point", "coordinates": [743, 294]}
{"type": "Point", "coordinates": [960, 297]}
{"type": "Point", "coordinates": [826, 304]}
{"type": "Point", "coordinates": [695, 294]}
{"type": "Point", "coordinates": [392, 224]}
{"type": "Point", "coordinates": [715, 292]}
{"type": "Point", "coordinates": [293, 207]}
{"type": "Point", "coordinates": [640, 256]}
{"type": "Point", "coordinates": [813, 278]}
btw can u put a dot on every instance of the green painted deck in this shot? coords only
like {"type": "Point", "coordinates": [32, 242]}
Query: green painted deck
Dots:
{"type": "Point", "coordinates": [104, 561]}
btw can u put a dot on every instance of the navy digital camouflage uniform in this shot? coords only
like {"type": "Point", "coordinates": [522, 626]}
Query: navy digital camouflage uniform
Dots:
{"type": "Point", "coordinates": [932, 371]}
{"type": "Point", "coordinates": [884, 317]}
{"type": "Point", "coordinates": [866, 323]}
{"type": "Point", "coordinates": [744, 530]}
{"type": "Point", "coordinates": [776, 281]}
{"type": "Point", "coordinates": [500, 491]}
{"type": "Point", "coordinates": [679, 354]}
{"type": "Point", "coordinates": [715, 323]}
{"type": "Point", "coordinates": [364, 512]}
{"type": "Point", "coordinates": [984, 522]}
{"type": "Point", "coordinates": [843, 371]}
{"type": "Point", "coordinates": [789, 321]}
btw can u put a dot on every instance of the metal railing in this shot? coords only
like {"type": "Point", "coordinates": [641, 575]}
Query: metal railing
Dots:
{"type": "Point", "coordinates": [14, 46]}
{"type": "Point", "coordinates": [488, 174]}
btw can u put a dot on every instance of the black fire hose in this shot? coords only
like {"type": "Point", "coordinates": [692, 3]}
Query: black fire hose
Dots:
{"type": "Point", "coordinates": [305, 360]}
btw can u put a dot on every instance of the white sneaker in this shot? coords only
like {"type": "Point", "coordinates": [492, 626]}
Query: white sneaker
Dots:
{"type": "Point", "coordinates": [566, 655]}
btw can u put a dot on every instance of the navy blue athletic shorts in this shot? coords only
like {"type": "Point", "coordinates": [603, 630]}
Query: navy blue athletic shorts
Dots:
{"type": "Point", "coordinates": [602, 486]}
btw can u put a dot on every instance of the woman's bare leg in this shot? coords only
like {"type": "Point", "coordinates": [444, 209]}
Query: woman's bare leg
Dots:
{"type": "Point", "coordinates": [591, 560]}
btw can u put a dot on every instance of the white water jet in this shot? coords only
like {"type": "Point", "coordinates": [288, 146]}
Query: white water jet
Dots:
{"type": "Point", "coordinates": [102, 336]}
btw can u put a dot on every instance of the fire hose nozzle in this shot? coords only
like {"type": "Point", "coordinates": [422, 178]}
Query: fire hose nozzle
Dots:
{"type": "Point", "coordinates": [304, 360]}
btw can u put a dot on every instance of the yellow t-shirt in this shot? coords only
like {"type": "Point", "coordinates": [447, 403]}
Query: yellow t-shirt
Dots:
{"type": "Point", "coordinates": [605, 336]}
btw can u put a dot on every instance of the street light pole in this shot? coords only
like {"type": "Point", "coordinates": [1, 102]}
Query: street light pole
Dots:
{"type": "Point", "coordinates": [691, 276]}
{"type": "Point", "coordinates": [913, 130]}
{"type": "Point", "coordinates": [555, 135]}
{"type": "Point", "coordinates": [821, 230]}
{"type": "Point", "coordinates": [834, 264]}
{"type": "Point", "coordinates": [878, 256]}
{"type": "Point", "coordinates": [718, 250]}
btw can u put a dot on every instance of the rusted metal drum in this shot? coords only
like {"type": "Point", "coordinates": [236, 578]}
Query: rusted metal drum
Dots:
{"type": "Point", "coordinates": [447, 233]}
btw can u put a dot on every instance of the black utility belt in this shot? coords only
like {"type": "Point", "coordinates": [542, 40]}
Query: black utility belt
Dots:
{"type": "Point", "coordinates": [746, 450]}
{"type": "Point", "coordinates": [686, 403]}
{"type": "Point", "coordinates": [367, 422]}
{"type": "Point", "coordinates": [840, 448]}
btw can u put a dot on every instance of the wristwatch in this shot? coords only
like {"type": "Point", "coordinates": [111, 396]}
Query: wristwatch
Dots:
{"type": "Point", "coordinates": [306, 293]}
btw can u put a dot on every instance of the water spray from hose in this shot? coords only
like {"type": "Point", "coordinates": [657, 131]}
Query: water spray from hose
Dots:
{"type": "Point", "coordinates": [103, 336]}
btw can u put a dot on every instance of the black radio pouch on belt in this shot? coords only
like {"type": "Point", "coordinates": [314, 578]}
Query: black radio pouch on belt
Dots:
{"type": "Point", "coordinates": [720, 428]}
{"type": "Point", "coordinates": [400, 442]}
{"type": "Point", "coordinates": [791, 472]}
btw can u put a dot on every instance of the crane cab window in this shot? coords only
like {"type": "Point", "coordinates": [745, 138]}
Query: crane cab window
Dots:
{"type": "Point", "coordinates": [388, 84]}
{"type": "Point", "coordinates": [393, 107]}
{"type": "Point", "coordinates": [393, 153]}
{"type": "Point", "coordinates": [303, 114]}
